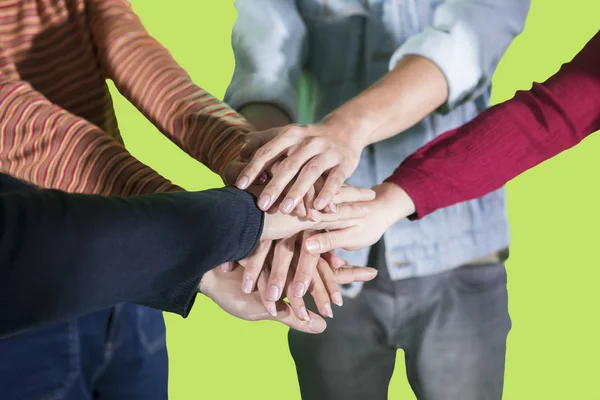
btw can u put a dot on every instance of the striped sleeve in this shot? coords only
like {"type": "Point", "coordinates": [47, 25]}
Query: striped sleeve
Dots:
{"type": "Point", "coordinates": [49, 147]}
{"type": "Point", "coordinates": [148, 76]}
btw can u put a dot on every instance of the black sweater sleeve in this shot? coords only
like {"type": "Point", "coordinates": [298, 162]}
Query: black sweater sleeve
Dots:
{"type": "Point", "coordinates": [64, 255]}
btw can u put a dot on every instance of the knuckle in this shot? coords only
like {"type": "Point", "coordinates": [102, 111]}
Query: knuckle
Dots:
{"type": "Point", "coordinates": [278, 277]}
{"type": "Point", "coordinates": [317, 141]}
{"type": "Point", "coordinates": [264, 151]}
{"type": "Point", "coordinates": [314, 167]}
{"type": "Point", "coordinates": [290, 163]}
{"type": "Point", "coordinates": [330, 241]}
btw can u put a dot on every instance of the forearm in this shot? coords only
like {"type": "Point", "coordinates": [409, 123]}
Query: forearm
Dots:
{"type": "Point", "coordinates": [507, 139]}
{"type": "Point", "coordinates": [403, 97]}
{"type": "Point", "coordinates": [67, 255]}
{"type": "Point", "coordinates": [146, 74]}
{"type": "Point", "coordinates": [49, 147]}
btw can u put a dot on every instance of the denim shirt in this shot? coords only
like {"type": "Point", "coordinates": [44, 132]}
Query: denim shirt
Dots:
{"type": "Point", "coordinates": [338, 48]}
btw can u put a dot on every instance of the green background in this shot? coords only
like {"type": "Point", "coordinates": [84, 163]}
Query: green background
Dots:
{"type": "Point", "coordinates": [553, 349]}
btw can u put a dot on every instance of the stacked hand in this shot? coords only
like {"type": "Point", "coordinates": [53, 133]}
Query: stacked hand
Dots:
{"type": "Point", "coordinates": [298, 173]}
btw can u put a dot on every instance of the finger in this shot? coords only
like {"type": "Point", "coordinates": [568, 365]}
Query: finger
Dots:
{"type": "Point", "coordinates": [255, 141]}
{"type": "Point", "coordinates": [323, 242]}
{"type": "Point", "coordinates": [306, 202]}
{"type": "Point", "coordinates": [254, 265]}
{"type": "Point", "coordinates": [300, 210]}
{"type": "Point", "coordinates": [309, 174]}
{"type": "Point", "coordinates": [354, 274]}
{"type": "Point", "coordinates": [320, 295]}
{"type": "Point", "coordinates": [314, 323]}
{"type": "Point", "coordinates": [346, 211]}
{"type": "Point", "coordinates": [283, 254]}
{"type": "Point", "coordinates": [328, 278]}
{"type": "Point", "coordinates": [261, 285]}
{"type": "Point", "coordinates": [297, 304]}
{"type": "Point", "coordinates": [305, 269]}
{"type": "Point", "coordinates": [334, 260]}
{"type": "Point", "coordinates": [227, 267]}
{"type": "Point", "coordinates": [351, 194]}
{"type": "Point", "coordinates": [262, 158]}
{"type": "Point", "coordinates": [289, 168]}
{"type": "Point", "coordinates": [333, 184]}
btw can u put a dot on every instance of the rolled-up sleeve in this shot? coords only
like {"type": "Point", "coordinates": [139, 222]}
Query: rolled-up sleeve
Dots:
{"type": "Point", "coordinates": [466, 40]}
{"type": "Point", "coordinates": [269, 43]}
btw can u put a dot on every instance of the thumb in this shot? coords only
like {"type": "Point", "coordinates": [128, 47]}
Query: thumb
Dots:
{"type": "Point", "coordinates": [354, 274]}
{"type": "Point", "coordinates": [285, 315]}
{"type": "Point", "coordinates": [333, 260]}
{"type": "Point", "coordinates": [328, 241]}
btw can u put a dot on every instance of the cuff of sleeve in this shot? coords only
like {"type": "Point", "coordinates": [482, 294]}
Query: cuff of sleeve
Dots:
{"type": "Point", "coordinates": [456, 53]}
{"type": "Point", "coordinates": [416, 185]}
{"type": "Point", "coordinates": [254, 89]}
{"type": "Point", "coordinates": [178, 300]}
{"type": "Point", "coordinates": [253, 225]}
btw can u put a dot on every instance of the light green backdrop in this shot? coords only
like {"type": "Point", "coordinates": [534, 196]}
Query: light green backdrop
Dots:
{"type": "Point", "coordinates": [553, 349]}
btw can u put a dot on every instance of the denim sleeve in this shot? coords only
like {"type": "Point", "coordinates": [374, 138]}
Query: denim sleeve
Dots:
{"type": "Point", "coordinates": [65, 255]}
{"type": "Point", "coordinates": [269, 44]}
{"type": "Point", "coordinates": [466, 40]}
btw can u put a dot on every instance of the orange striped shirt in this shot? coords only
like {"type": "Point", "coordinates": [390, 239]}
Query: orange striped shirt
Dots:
{"type": "Point", "coordinates": [58, 128]}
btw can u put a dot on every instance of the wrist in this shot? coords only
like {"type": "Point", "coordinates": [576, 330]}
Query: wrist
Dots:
{"type": "Point", "coordinates": [206, 284]}
{"type": "Point", "coordinates": [396, 201]}
{"type": "Point", "coordinates": [352, 129]}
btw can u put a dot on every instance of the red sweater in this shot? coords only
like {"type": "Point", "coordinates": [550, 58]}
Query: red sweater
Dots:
{"type": "Point", "coordinates": [462, 164]}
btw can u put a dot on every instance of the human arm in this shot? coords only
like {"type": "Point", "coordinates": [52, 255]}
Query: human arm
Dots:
{"type": "Point", "coordinates": [49, 147]}
{"type": "Point", "coordinates": [482, 155]}
{"type": "Point", "coordinates": [64, 255]}
{"type": "Point", "coordinates": [449, 62]}
{"type": "Point", "coordinates": [147, 75]}
{"type": "Point", "coordinates": [507, 139]}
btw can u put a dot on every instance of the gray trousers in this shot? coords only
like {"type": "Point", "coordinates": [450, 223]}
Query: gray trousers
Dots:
{"type": "Point", "coordinates": [452, 327]}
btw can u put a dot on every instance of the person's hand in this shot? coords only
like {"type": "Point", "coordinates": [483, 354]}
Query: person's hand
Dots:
{"type": "Point", "coordinates": [351, 200]}
{"type": "Point", "coordinates": [390, 205]}
{"type": "Point", "coordinates": [308, 152]}
{"type": "Point", "coordinates": [223, 288]}
{"type": "Point", "coordinates": [280, 226]}
{"type": "Point", "coordinates": [233, 169]}
{"type": "Point", "coordinates": [283, 258]}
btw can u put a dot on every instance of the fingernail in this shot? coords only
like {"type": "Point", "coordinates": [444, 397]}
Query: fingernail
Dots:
{"type": "Point", "coordinates": [304, 314]}
{"type": "Point", "coordinates": [227, 267]}
{"type": "Point", "coordinates": [273, 293]}
{"type": "Point", "coordinates": [315, 216]}
{"type": "Point", "coordinates": [264, 202]}
{"type": "Point", "coordinates": [301, 210]}
{"type": "Point", "coordinates": [243, 182]}
{"type": "Point", "coordinates": [247, 286]}
{"type": "Point", "coordinates": [299, 290]}
{"type": "Point", "coordinates": [320, 204]}
{"type": "Point", "coordinates": [312, 245]}
{"type": "Point", "coordinates": [287, 206]}
{"type": "Point", "coordinates": [262, 178]}
{"type": "Point", "coordinates": [317, 325]}
{"type": "Point", "coordinates": [372, 271]}
{"type": "Point", "coordinates": [328, 310]}
{"type": "Point", "coordinates": [272, 309]}
{"type": "Point", "coordinates": [337, 299]}
{"type": "Point", "coordinates": [333, 207]}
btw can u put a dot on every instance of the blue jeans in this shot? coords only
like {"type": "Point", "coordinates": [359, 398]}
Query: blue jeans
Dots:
{"type": "Point", "coordinates": [114, 354]}
{"type": "Point", "coordinates": [452, 327]}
